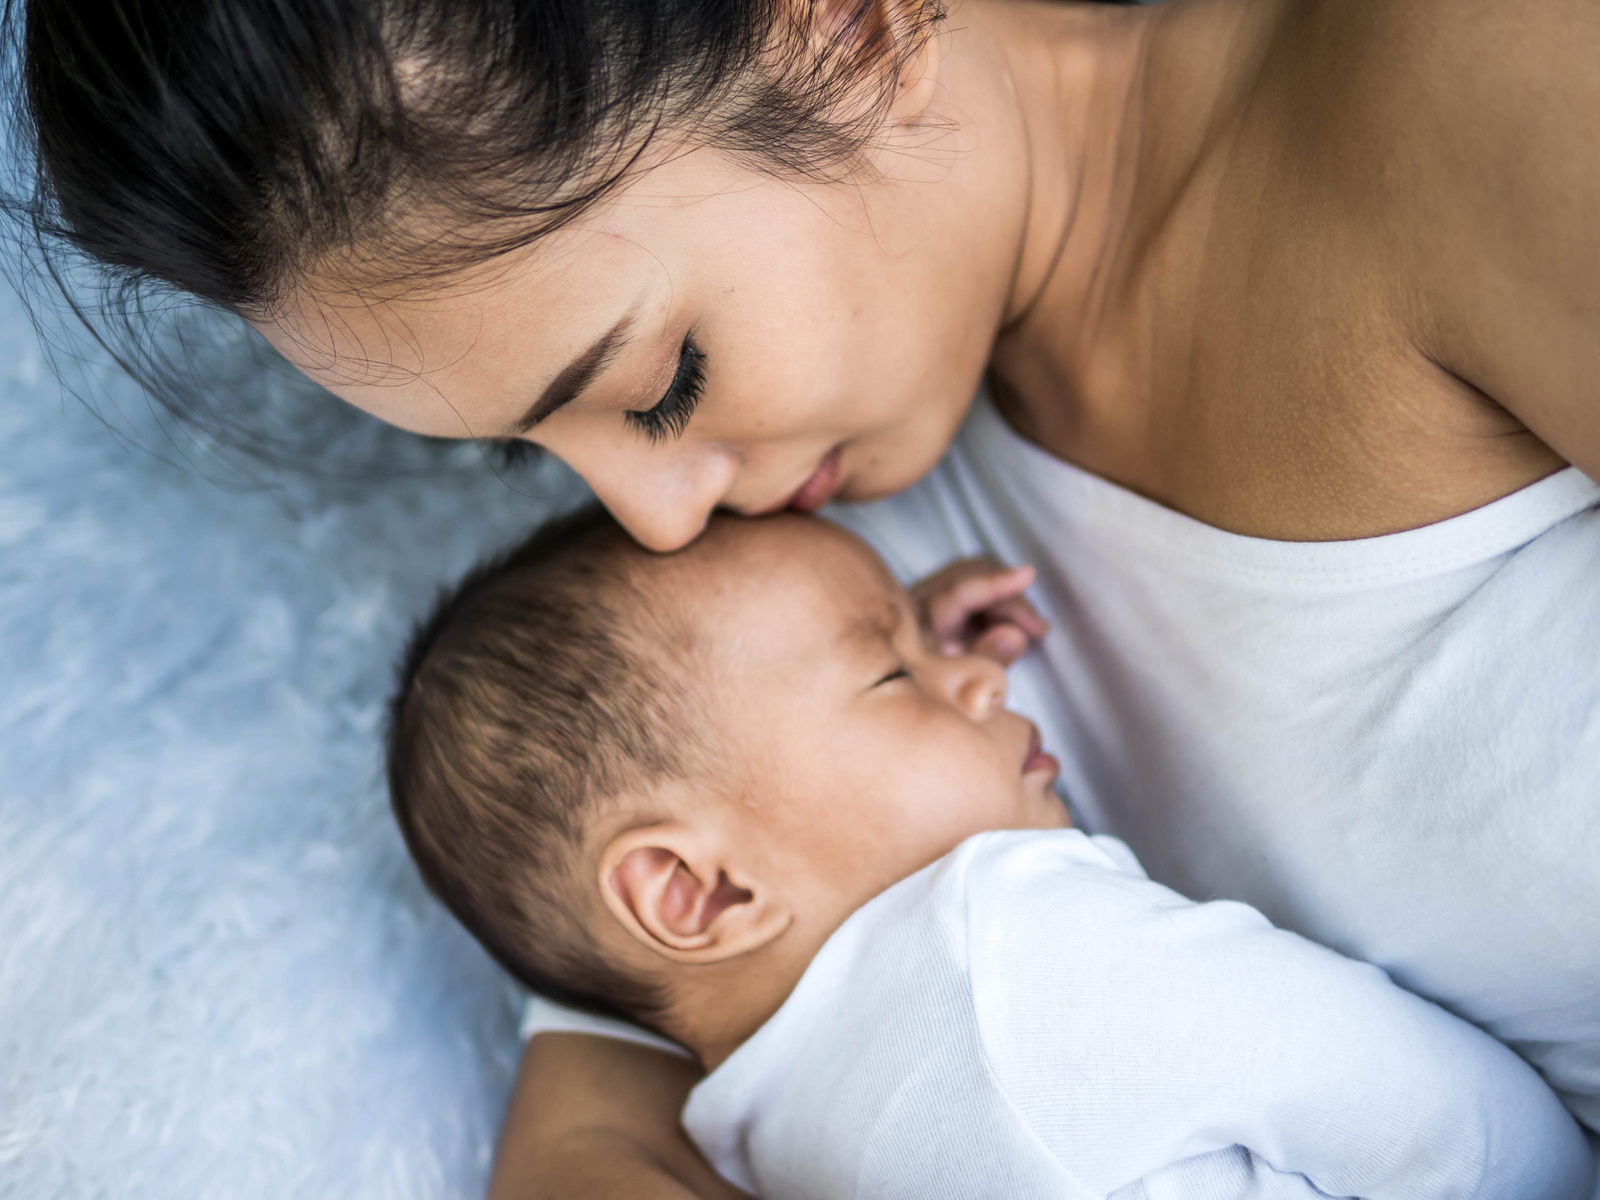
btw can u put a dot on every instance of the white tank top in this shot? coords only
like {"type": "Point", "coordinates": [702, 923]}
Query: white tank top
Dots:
{"type": "Point", "coordinates": [1391, 745]}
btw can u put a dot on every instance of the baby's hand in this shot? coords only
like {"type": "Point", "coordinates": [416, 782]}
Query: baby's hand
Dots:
{"type": "Point", "coordinates": [976, 606]}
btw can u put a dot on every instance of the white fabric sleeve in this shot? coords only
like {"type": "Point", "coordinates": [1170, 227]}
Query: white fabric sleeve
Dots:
{"type": "Point", "coordinates": [546, 1016]}
{"type": "Point", "coordinates": [1117, 851]}
{"type": "Point", "coordinates": [1133, 1028]}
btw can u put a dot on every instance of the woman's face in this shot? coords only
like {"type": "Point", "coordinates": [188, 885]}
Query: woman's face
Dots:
{"type": "Point", "coordinates": [710, 336]}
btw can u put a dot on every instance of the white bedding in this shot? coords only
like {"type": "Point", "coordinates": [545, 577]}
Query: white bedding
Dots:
{"type": "Point", "coordinates": [218, 974]}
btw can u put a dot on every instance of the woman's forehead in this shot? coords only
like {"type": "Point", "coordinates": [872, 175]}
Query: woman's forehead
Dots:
{"type": "Point", "coordinates": [560, 280]}
{"type": "Point", "coordinates": [496, 339]}
{"type": "Point", "coordinates": [633, 226]}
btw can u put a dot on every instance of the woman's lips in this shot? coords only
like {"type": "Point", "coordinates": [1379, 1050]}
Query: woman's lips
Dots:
{"type": "Point", "coordinates": [1037, 759]}
{"type": "Point", "coordinates": [819, 489]}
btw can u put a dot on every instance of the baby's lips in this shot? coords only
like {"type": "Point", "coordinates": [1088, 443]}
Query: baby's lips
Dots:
{"type": "Point", "coordinates": [1037, 759]}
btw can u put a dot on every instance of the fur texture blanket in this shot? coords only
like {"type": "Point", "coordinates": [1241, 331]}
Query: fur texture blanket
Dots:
{"type": "Point", "coordinates": [219, 975]}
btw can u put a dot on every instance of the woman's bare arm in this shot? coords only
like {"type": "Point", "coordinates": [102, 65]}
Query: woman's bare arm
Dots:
{"type": "Point", "coordinates": [592, 1116]}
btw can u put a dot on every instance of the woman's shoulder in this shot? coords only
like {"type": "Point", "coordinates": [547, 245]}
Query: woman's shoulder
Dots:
{"type": "Point", "coordinates": [1456, 143]}
{"type": "Point", "coordinates": [1459, 88]}
{"type": "Point", "coordinates": [1498, 39]}
{"type": "Point", "coordinates": [1497, 149]}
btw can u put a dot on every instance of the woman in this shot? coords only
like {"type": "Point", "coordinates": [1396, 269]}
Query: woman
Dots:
{"type": "Point", "coordinates": [1290, 315]}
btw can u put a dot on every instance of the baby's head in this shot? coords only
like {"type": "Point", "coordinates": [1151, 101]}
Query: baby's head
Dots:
{"type": "Point", "coordinates": [654, 785]}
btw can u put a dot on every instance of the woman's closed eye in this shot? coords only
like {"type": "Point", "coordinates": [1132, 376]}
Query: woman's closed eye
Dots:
{"type": "Point", "coordinates": [897, 673]}
{"type": "Point", "coordinates": [669, 416]}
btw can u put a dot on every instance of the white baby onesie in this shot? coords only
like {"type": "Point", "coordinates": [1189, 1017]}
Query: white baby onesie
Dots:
{"type": "Point", "coordinates": [1390, 745]}
{"type": "Point", "coordinates": [1032, 1017]}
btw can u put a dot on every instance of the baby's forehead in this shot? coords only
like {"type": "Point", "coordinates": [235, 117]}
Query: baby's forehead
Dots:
{"type": "Point", "coordinates": [794, 577]}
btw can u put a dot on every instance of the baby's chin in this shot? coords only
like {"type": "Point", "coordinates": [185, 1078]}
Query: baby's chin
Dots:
{"type": "Point", "coordinates": [1046, 811]}
{"type": "Point", "coordinates": [1059, 817]}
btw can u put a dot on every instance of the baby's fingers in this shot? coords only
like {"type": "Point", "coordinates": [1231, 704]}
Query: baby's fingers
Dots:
{"type": "Point", "coordinates": [969, 601]}
{"type": "Point", "coordinates": [988, 587]}
{"type": "Point", "coordinates": [1018, 611]}
{"type": "Point", "coordinates": [1002, 643]}
{"type": "Point", "coordinates": [956, 593]}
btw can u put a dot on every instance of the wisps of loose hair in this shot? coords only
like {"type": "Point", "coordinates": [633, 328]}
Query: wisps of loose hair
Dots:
{"type": "Point", "coordinates": [228, 150]}
{"type": "Point", "coordinates": [525, 702]}
{"type": "Point", "coordinates": [230, 147]}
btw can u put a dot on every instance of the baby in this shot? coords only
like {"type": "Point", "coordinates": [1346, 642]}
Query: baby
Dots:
{"type": "Point", "coordinates": [736, 795]}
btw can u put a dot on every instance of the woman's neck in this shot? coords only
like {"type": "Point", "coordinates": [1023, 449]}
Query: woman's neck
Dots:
{"type": "Point", "coordinates": [1118, 108]}
{"type": "Point", "coordinates": [1073, 72]}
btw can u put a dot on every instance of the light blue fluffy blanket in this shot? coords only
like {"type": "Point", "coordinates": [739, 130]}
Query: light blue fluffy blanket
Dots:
{"type": "Point", "coordinates": [219, 976]}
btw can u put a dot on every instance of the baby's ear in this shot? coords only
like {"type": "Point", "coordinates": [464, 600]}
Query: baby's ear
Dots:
{"type": "Point", "coordinates": [673, 887]}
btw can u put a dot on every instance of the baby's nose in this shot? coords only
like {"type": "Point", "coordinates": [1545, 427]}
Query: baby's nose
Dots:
{"type": "Point", "coordinates": [980, 684]}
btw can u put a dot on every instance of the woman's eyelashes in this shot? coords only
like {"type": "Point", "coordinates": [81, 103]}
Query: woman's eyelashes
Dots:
{"type": "Point", "coordinates": [897, 673]}
{"type": "Point", "coordinates": [669, 416]}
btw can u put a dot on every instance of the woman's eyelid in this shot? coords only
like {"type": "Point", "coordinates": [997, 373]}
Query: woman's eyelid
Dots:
{"type": "Point", "coordinates": [667, 417]}
{"type": "Point", "coordinates": [633, 376]}
{"type": "Point", "coordinates": [638, 388]}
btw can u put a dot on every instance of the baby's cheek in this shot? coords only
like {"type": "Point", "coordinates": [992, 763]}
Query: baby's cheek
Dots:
{"type": "Point", "coordinates": [965, 806]}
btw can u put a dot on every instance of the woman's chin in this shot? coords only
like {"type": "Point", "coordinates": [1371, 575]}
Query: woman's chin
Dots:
{"type": "Point", "coordinates": [879, 480]}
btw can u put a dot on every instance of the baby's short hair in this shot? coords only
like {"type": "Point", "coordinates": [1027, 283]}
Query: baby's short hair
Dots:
{"type": "Point", "coordinates": [526, 700]}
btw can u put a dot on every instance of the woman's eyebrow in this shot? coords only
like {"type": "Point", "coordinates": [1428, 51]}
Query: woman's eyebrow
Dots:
{"type": "Point", "coordinates": [578, 374]}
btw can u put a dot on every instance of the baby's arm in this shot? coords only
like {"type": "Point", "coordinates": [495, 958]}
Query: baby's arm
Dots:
{"type": "Point", "coordinates": [1137, 1029]}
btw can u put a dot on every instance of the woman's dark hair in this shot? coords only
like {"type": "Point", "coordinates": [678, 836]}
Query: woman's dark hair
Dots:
{"type": "Point", "coordinates": [226, 149]}
{"type": "Point", "coordinates": [230, 147]}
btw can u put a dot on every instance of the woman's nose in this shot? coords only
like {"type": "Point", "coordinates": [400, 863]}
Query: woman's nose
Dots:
{"type": "Point", "coordinates": [662, 496]}
{"type": "Point", "coordinates": [976, 685]}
